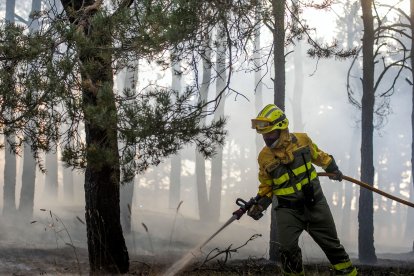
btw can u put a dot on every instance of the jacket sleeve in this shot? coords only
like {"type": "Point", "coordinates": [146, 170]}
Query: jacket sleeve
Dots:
{"type": "Point", "coordinates": [319, 157]}
{"type": "Point", "coordinates": [266, 182]}
{"type": "Point", "coordinates": [267, 163]}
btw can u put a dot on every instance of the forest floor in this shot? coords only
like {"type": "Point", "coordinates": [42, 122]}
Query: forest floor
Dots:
{"type": "Point", "coordinates": [61, 261]}
{"type": "Point", "coordinates": [46, 246]}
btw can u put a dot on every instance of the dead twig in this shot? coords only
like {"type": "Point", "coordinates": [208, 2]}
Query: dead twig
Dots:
{"type": "Point", "coordinates": [228, 251]}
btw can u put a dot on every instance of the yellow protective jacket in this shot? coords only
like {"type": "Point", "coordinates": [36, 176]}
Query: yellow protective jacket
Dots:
{"type": "Point", "coordinates": [285, 169]}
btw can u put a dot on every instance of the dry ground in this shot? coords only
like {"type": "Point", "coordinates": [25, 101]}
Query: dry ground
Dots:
{"type": "Point", "coordinates": [41, 249]}
{"type": "Point", "coordinates": [62, 261]}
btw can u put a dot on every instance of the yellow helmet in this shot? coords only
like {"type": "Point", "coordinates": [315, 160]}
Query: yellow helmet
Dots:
{"type": "Point", "coordinates": [270, 118]}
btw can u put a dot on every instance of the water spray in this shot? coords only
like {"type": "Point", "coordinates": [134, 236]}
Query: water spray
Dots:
{"type": "Point", "coordinates": [245, 206]}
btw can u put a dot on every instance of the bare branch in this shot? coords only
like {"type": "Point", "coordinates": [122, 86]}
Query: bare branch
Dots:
{"type": "Point", "coordinates": [227, 252]}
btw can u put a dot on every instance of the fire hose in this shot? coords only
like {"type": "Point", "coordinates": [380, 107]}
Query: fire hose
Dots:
{"type": "Point", "coordinates": [245, 205]}
{"type": "Point", "coordinates": [369, 187]}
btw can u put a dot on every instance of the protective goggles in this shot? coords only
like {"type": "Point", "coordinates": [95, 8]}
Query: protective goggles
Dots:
{"type": "Point", "coordinates": [261, 124]}
{"type": "Point", "coordinates": [264, 123]}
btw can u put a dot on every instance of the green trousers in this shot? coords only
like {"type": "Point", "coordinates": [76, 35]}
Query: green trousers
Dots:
{"type": "Point", "coordinates": [319, 223]}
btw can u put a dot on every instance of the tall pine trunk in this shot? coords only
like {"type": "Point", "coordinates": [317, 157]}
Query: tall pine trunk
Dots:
{"type": "Point", "coordinates": [279, 98]}
{"type": "Point", "coordinates": [51, 177]}
{"type": "Point", "coordinates": [68, 184]}
{"type": "Point", "coordinates": [298, 88]}
{"type": "Point", "coordinates": [28, 181]}
{"type": "Point", "coordinates": [298, 83]}
{"type": "Point", "coordinates": [175, 174]}
{"type": "Point", "coordinates": [10, 167]}
{"type": "Point", "coordinates": [410, 213]}
{"type": "Point", "coordinates": [258, 99]}
{"type": "Point", "coordinates": [106, 244]}
{"type": "Point", "coordinates": [279, 52]}
{"type": "Point", "coordinates": [366, 248]}
{"type": "Point", "coordinates": [352, 168]}
{"type": "Point", "coordinates": [200, 165]}
{"type": "Point", "coordinates": [217, 160]}
{"type": "Point", "coordinates": [127, 189]}
{"type": "Point", "coordinates": [27, 191]}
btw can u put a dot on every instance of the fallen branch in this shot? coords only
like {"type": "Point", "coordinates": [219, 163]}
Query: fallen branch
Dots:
{"type": "Point", "coordinates": [228, 251]}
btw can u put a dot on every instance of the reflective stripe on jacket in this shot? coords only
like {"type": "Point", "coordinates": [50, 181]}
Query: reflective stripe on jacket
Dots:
{"type": "Point", "coordinates": [290, 167]}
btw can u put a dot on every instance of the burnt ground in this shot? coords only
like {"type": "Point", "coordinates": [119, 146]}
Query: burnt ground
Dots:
{"type": "Point", "coordinates": [18, 260]}
{"type": "Point", "coordinates": [44, 248]}
{"type": "Point", "coordinates": [251, 266]}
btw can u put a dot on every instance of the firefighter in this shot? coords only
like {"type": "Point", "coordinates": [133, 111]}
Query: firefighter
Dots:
{"type": "Point", "coordinates": [286, 163]}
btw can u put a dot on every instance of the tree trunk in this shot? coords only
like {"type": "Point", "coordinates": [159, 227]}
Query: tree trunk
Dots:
{"type": "Point", "coordinates": [258, 79]}
{"type": "Point", "coordinates": [366, 248]}
{"type": "Point", "coordinates": [298, 83]}
{"type": "Point", "coordinates": [28, 182]}
{"type": "Point", "coordinates": [175, 174]}
{"type": "Point", "coordinates": [51, 178]}
{"type": "Point", "coordinates": [68, 186]}
{"type": "Point", "coordinates": [217, 160]}
{"type": "Point", "coordinates": [175, 181]}
{"type": "Point", "coordinates": [200, 165]}
{"type": "Point", "coordinates": [278, 7]}
{"type": "Point", "coordinates": [29, 163]}
{"type": "Point", "coordinates": [410, 213]}
{"type": "Point", "coordinates": [279, 97]}
{"type": "Point", "coordinates": [348, 189]}
{"type": "Point", "coordinates": [352, 163]}
{"type": "Point", "coordinates": [298, 88]}
{"type": "Point", "coordinates": [127, 194]}
{"type": "Point", "coordinates": [9, 184]}
{"type": "Point", "coordinates": [9, 188]}
{"type": "Point", "coordinates": [127, 189]}
{"type": "Point", "coordinates": [106, 244]}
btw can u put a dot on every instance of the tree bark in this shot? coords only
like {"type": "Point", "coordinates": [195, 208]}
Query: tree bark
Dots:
{"type": "Point", "coordinates": [352, 162]}
{"type": "Point", "coordinates": [366, 248]}
{"type": "Point", "coordinates": [127, 189]}
{"type": "Point", "coordinates": [106, 244]}
{"type": "Point", "coordinates": [258, 80]}
{"type": "Point", "coordinates": [298, 88]}
{"type": "Point", "coordinates": [410, 213]}
{"type": "Point", "coordinates": [278, 7]}
{"type": "Point", "coordinates": [9, 188]}
{"type": "Point", "coordinates": [68, 186]}
{"type": "Point", "coordinates": [217, 160]}
{"type": "Point", "coordinates": [348, 189]}
{"type": "Point", "coordinates": [51, 178]}
{"type": "Point", "coordinates": [175, 174]}
{"type": "Point", "coordinates": [28, 183]}
{"type": "Point", "coordinates": [279, 98]}
{"type": "Point", "coordinates": [298, 83]}
{"type": "Point", "coordinates": [200, 166]}
{"type": "Point", "coordinates": [9, 184]}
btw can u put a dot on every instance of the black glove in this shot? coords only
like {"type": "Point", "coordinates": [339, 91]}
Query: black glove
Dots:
{"type": "Point", "coordinates": [256, 211]}
{"type": "Point", "coordinates": [333, 168]}
{"type": "Point", "coordinates": [239, 213]}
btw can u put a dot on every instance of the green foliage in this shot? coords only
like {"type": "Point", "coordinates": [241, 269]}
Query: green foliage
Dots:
{"type": "Point", "coordinates": [58, 78]}
{"type": "Point", "coordinates": [31, 86]}
{"type": "Point", "coordinates": [159, 123]}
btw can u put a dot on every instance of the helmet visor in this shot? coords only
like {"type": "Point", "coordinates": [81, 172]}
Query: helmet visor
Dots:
{"type": "Point", "coordinates": [261, 124]}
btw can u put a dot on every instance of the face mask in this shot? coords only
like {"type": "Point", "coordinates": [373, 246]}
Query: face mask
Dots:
{"type": "Point", "coordinates": [271, 142]}
{"type": "Point", "coordinates": [271, 138]}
